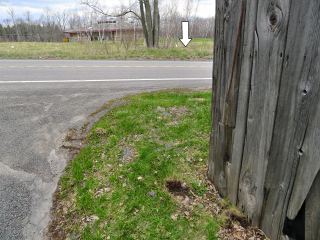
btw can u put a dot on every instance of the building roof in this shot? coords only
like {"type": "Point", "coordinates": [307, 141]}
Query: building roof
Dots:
{"type": "Point", "coordinates": [101, 30]}
{"type": "Point", "coordinates": [105, 26]}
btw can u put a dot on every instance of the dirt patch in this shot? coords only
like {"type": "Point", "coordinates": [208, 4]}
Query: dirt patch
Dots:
{"type": "Point", "coordinates": [175, 187]}
{"type": "Point", "coordinates": [178, 111]}
{"type": "Point", "coordinates": [237, 216]}
{"type": "Point", "coordinates": [175, 111]}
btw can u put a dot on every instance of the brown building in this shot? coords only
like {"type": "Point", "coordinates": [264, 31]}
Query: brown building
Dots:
{"type": "Point", "coordinates": [106, 30]}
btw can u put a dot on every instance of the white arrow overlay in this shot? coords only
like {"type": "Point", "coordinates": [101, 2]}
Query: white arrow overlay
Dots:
{"type": "Point", "coordinates": [185, 33]}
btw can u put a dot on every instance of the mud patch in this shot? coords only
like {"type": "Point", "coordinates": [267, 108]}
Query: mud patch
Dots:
{"type": "Point", "coordinates": [175, 187]}
{"type": "Point", "coordinates": [233, 216]}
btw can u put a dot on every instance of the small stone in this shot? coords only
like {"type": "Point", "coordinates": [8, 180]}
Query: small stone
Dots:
{"type": "Point", "coordinates": [152, 194]}
{"type": "Point", "coordinates": [186, 201]}
{"type": "Point", "coordinates": [92, 218]}
{"type": "Point", "coordinates": [174, 217]}
{"type": "Point", "coordinates": [95, 218]}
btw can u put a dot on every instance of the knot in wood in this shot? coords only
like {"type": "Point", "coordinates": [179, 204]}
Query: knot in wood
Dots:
{"type": "Point", "coordinates": [226, 16]}
{"type": "Point", "coordinates": [274, 18]}
{"type": "Point", "coordinates": [247, 180]}
{"type": "Point", "coordinates": [226, 3]}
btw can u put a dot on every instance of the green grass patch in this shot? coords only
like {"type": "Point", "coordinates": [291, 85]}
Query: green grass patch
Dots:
{"type": "Point", "coordinates": [116, 188]}
{"type": "Point", "coordinates": [198, 49]}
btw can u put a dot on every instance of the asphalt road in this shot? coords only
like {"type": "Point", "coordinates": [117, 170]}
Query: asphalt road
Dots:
{"type": "Point", "coordinates": [40, 100]}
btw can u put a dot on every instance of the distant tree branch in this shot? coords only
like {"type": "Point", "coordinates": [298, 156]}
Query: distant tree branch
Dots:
{"type": "Point", "coordinates": [94, 6]}
{"type": "Point", "coordinates": [126, 12]}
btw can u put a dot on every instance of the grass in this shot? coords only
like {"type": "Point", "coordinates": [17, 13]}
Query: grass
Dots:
{"type": "Point", "coordinates": [131, 154]}
{"type": "Point", "coordinates": [198, 49]}
{"type": "Point", "coordinates": [142, 175]}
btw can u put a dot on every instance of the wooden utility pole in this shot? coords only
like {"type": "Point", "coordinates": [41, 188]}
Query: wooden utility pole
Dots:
{"type": "Point", "coordinates": [265, 137]}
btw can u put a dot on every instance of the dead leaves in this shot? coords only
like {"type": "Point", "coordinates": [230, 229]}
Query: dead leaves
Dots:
{"type": "Point", "coordinates": [237, 232]}
{"type": "Point", "coordinates": [236, 226]}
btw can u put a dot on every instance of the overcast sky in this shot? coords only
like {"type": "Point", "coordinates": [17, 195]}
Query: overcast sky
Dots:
{"type": "Point", "coordinates": [206, 8]}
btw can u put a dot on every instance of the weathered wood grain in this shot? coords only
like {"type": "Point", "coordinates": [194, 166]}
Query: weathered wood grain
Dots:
{"type": "Point", "coordinates": [313, 211]}
{"type": "Point", "coordinates": [271, 34]}
{"type": "Point", "coordinates": [223, 112]}
{"type": "Point", "coordinates": [265, 141]}
{"type": "Point", "coordinates": [293, 112]}
{"type": "Point", "coordinates": [213, 169]}
{"type": "Point", "coordinates": [308, 70]}
{"type": "Point", "coordinates": [250, 40]}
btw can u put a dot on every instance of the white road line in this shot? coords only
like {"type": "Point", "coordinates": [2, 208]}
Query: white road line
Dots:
{"type": "Point", "coordinates": [106, 80]}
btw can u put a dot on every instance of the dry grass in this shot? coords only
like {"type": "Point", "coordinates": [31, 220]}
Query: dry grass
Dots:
{"type": "Point", "coordinates": [198, 49]}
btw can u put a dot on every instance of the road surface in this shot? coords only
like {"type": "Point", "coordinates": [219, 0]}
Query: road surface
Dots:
{"type": "Point", "coordinates": [40, 100]}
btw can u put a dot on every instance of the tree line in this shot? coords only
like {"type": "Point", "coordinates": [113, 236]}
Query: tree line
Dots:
{"type": "Point", "coordinates": [162, 21]}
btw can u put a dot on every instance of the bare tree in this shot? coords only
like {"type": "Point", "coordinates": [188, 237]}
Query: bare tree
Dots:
{"type": "Point", "coordinates": [13, 18]}
{"type": "Point", "coordinates": [191, 10]}
{"type": "Point", "coordinates": [74, 20]}
{"type": "Point", "coordinates": [170, 23]}
{"type": "Point", "coordinates": [150, 22]}
{"type": "Point", "coordinates": [62, 19]}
